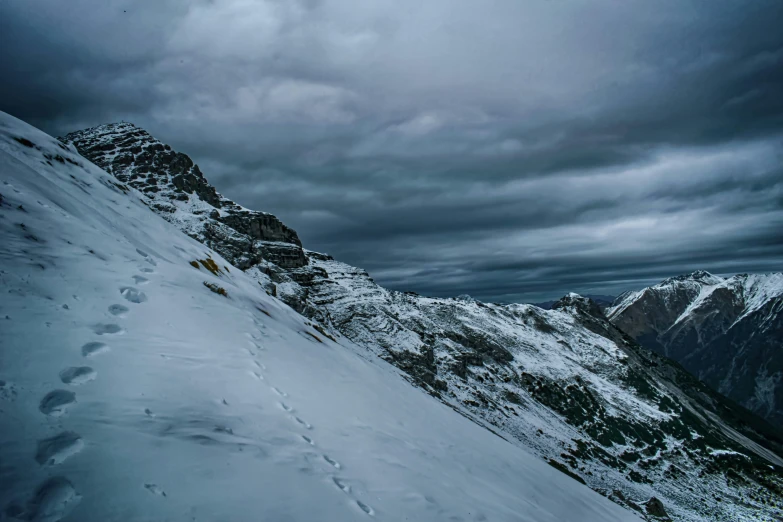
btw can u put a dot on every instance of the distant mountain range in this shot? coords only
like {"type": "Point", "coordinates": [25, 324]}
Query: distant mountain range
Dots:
{"type": "Point", "coordinates": [728, 332]}
{"type": "Point", "coordinates": [564, 384]}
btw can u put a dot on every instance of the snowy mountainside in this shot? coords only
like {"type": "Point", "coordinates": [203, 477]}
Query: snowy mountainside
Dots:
{"type": "Point", "coordinates": [145, 378]}
{"type": "Point", "coordinates": [564, 384]}
{"type": "Point", "coordinates": [728, 332]}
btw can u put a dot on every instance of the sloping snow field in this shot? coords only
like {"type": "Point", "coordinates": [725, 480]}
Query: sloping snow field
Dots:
{"type": "Point", "coordinates": [130, 390]}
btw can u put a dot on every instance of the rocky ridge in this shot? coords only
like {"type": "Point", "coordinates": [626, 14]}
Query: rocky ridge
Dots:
{"type": "Point", "coordinates": [726, 331]}
{"type": "Point", "coordinates": [176, 189]}
{"type": "Point", "coordinates": [565, 383]}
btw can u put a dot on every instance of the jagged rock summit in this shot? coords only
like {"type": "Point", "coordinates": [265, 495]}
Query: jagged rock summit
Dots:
{"type": "Point", "coordinates": [177, 190]}
{"type": "Point", "coordinates": [564, 384]}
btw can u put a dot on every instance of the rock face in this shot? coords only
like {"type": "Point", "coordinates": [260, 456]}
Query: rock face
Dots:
{"type": "Point", "coordinates": [176, 189]}
{"type": "Point", "coordinates": [565, 384]}
{"type": "Point", "coordinates": [654, 508]}
{"type": "Point", "coordinates": [728, 332]}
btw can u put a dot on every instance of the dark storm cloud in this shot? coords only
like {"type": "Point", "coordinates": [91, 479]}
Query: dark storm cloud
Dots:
{"type": "Point", "coordinates": [510, 150]}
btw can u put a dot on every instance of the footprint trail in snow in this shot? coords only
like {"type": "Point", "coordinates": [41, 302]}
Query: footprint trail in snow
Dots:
{"type": "Point", "coordinates": [337, 481]}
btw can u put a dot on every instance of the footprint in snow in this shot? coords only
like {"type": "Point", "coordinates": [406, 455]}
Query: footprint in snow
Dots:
{"type": "Point", "coordinates": [56, 402]}
{"type": "Point", "coordinates": [306, 424]}
{"type": "Point", "coordinates": [260, 365]}
{"type": "Point", "coordinates": [286, 407]}
{"type": "Point", "coordinates": [308, 440]}
{"type": "Point", "coordinates": [223, 429]}
{"type": "Point", "coordinates": [76, 375]}
{"type": "Point", "coordinates": [107, 329]}
{"type": "Point", "coordinates": [140, 280]}
{"type": "Point", "coordinates": [279, 392]}
{"type": "Point", "coordinates": [257, 376]}
{"type": "Point", "coordinates": [364, 507]}
{"type": "Point", "coordinates": [257, 346]}
{"type": "Point", "coordinates": [341, 484]}
{"type": "Point", "coordinates": [134, 295]}
{"type": "Point", "coordinates": [53, 500]}
{"type": "Point", "coordinates": [332, 462]}
{"type": "Point", "coordinates": [155, 489]}
{"type": "Point", "coordinates": [118, 310]}
{"type": "Point", "coordinates": [251, 336]}
{"type": "Point", "coordinates": [94, 348]}
{"type": "Point", "coordinates": [55, 450]}
{"type": "Point", "coordinates": [147, 270]}
{"type": "Point", "coordinates": [148, 258]}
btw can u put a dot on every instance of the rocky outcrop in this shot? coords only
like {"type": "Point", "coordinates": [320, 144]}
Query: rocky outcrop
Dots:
{"type": "Point", "coordinates": [565, 384]}
{"type": "Point", "coordinates": [578, 303]}
{"type": "Point", "coordinates": [177, 189]}
{"type": "Point", "coordinates": [654, 508]}
{"type": "Point", "coordinates": [725, 331]}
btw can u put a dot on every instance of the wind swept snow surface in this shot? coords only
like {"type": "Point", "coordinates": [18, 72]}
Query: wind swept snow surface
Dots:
{"type": "Point", "coordinates": [135, 385]}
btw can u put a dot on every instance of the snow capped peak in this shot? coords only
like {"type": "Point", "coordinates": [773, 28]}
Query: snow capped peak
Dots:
{"type": "Point", "coordinates": [572, 297]}
{"type": "Point", "coordinates": [750, 290]}
{"type": "Point", "coordinates": [107, 132]}
{"type": "Point", "coordinates": [116, 127]}
{"type": "Point", "coordinates": [699, 276]}
{"type": "Point", "coordinates": [580, 303]}
{"type": "Point", "coordinates": [678, 291]}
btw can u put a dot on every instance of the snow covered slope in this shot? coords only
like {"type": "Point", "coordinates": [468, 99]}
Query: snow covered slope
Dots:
{"type": "Point", "coordinates": [144, 378]}
{"type": "Point", "coordinates": [564, 384]}
{"type": "Point", "coordinates": [728, 332]}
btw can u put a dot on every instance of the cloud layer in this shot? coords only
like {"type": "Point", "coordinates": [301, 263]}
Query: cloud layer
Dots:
{"type": "Point", "coordinates": [510, 150]}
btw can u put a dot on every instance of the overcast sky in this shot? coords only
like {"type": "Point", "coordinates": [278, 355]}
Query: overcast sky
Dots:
{"type": "Point", "coordinates": [513, 150]}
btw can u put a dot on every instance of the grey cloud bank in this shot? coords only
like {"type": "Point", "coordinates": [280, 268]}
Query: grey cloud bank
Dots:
{"type": "Point", "coordinates": [510, 150]}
